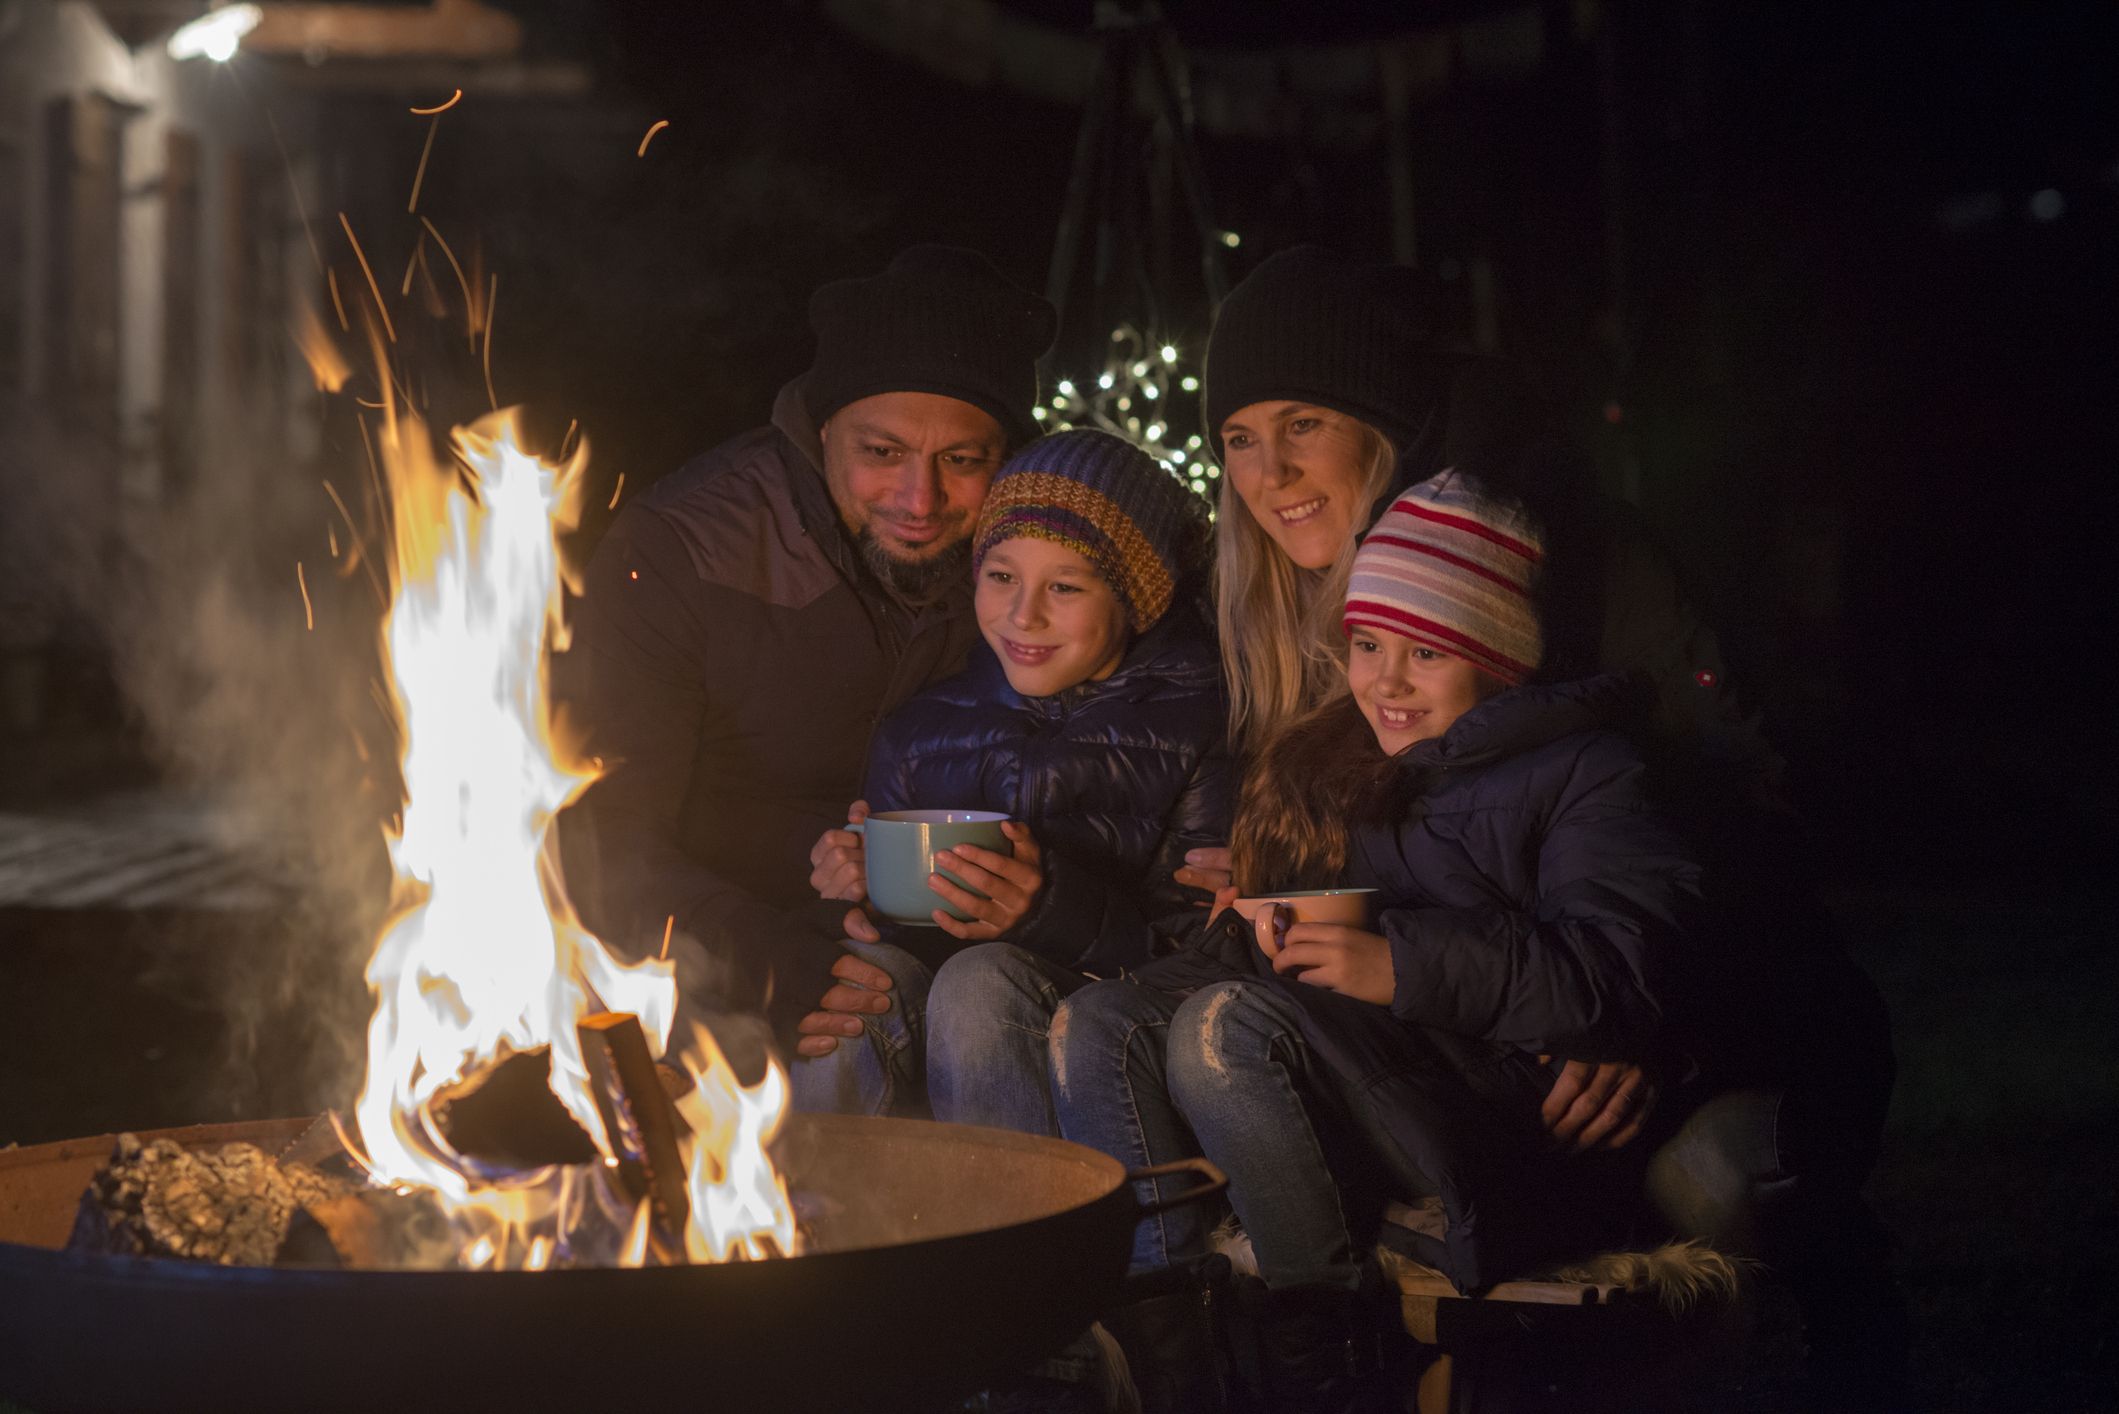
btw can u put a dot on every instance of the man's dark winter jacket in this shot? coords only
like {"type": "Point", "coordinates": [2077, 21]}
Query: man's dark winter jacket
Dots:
{"type": "Point", "coordinates": [732, 658]}
{"type": "Point", "coordinates": [1534, 904]}
{"type": "Point", "coordinates": [1116, 779]}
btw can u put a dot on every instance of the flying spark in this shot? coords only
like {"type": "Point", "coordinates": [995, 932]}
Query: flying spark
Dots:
{"type": "Point", "coordinates": [373, 288]}
{"type": "Point", "coordinates": [419, 177]}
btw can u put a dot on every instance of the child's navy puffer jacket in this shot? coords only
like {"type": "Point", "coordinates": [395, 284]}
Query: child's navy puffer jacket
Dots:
{"type": "Point", "coordinates": [1116, 779]}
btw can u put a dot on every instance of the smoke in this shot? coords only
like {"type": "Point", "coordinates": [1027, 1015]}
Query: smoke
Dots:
{"type": "Point", "coordinates": [261, 710]}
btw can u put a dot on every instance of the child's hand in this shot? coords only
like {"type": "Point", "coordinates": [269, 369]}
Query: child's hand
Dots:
{"type": "Point", "coordinates": [1339, 958]}
{"type": "Point", "coordinates": [1223, 897]}
{"type": "Point", "coordinates": [837, 866]}
{"type": "Point", "coordinates": [1010, 885]}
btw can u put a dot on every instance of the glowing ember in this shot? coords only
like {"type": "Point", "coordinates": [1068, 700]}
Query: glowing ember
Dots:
{"type": "Point", "coordinates": [483, 958]}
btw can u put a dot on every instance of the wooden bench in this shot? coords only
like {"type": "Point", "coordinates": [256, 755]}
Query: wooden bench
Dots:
{"type": "Point", "coordinates": [1631, 1331]}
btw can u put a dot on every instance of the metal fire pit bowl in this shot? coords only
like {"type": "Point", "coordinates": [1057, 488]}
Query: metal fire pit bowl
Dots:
{"type": "Point", "coordinates": [945, 1257]}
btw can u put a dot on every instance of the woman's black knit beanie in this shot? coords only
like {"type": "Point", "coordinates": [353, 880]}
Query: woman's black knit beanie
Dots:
{"type": "Point", "coordinates": [939, 319]}
{"type": "Point", "coordinates": [1312, 325]}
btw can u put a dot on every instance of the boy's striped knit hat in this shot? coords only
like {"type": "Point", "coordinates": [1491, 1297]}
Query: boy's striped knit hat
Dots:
{"type": "Point", "coordinates": [1109, 502]}
{"type": "Point", "coordinates": [1452, 569]}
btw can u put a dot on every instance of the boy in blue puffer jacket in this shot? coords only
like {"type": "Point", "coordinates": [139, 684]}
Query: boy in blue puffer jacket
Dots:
{"type": "Point", "coordinates": [1095, 718]}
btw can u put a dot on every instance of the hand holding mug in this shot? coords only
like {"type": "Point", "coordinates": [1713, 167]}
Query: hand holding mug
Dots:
{"type": "Point", "coordinates": [1337, 957]}
{"type": "Point", "coordinates": [838, 863]}
{"type": "Point", "coordinates": [1010, 885]}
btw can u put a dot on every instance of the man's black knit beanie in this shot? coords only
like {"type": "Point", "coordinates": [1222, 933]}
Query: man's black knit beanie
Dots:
{"type": "Point", "coordinates": [939, 320]}
{"type": "Point", "coordinates": [1311, 325]}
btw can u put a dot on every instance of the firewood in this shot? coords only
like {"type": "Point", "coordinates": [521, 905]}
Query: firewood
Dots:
{"type": "Point", "coordinates": [506, 1116]}
{"type": "Point", "coordinates": [231, 1205]}
{"type": "Point", "coordinates": [375, 1228]}
{"type": "Point", "coordinates": [642, 1124]}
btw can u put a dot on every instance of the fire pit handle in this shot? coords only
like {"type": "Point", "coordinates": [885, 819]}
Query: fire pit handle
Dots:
{"type": "Point", "coordinates": [1211, 1181]}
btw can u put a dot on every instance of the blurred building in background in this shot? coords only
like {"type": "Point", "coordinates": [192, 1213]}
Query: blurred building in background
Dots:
{"type": "Point", "coordinates": [171, 180]}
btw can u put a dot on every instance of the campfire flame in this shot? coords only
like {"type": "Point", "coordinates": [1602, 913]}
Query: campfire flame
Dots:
{"type": "Point", "coordinates": [482, 956]}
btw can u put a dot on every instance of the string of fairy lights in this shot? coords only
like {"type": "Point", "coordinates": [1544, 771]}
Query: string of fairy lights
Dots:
{"type": "Point", "coordinates": [1147, 393]}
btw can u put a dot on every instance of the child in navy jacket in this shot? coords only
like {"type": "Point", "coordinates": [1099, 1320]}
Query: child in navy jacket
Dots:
{"type": "Point", "coordinates": [1094, 716]}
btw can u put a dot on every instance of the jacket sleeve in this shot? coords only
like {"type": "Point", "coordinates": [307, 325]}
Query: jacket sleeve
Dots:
{"type": "Point", "coordinates": [1086, 920]}
{"type": "Point", "coordinates": [1585, 973]}
{"type": "Point", "coordinates": [635, 679]}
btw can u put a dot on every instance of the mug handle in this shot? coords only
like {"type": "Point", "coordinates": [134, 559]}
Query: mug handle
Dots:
{"type": "Point", "coordinates": [859, 827]}
{"type": "Point", "coordinates": [1263, 931]}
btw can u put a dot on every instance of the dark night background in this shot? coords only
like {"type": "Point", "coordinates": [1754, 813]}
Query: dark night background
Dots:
{"type": "Point", "coordinates": [1829, 289]}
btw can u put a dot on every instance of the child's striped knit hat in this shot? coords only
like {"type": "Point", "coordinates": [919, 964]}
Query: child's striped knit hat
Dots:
{"type": "Point", "coordinates": [1109, 502]}
{"type": "Point", "coordinates": [1452, 569]}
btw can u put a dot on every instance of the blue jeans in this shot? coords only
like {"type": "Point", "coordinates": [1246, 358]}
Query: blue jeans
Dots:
{"type": "Point", "coordinates": [987, 1019]}
{"type": "Point", "coordinates": [880, 1071]}
{"type": "Point", "coordinates": [1150, 1078]}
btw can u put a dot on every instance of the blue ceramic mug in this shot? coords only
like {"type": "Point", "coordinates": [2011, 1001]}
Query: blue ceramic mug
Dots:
{"type": "Point", "coordinates": [900, 846]}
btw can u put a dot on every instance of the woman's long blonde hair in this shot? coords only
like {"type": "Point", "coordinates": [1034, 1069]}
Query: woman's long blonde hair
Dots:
{"type": "Point", "coordinates": [1281, 648]}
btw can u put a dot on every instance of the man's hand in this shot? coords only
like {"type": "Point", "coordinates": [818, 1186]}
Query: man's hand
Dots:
{"type": "Point", "coordinates": [1206, 869]}
{"type": "Point", "coordinates": [862, 990]}
{"type": "Point", "coordinates": [1597, 1106]}
{"type": "Point", "coordinates": [1340, 958]}
{"type": "Point", "coordinates": [1010, 885]}
{"type": "Point", "coordinates": [838, 864]}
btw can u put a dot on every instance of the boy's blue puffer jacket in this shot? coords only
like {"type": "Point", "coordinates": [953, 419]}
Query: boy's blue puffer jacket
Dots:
{"type": "Point", "coordinates": [1117, 779]}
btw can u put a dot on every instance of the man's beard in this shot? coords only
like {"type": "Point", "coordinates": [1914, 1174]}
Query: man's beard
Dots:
{"type": "Point", "coordinates": [916, 581]}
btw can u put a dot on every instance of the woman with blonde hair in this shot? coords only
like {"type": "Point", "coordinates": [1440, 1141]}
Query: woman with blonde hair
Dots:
{"type": "Point", "coordinates": [1328, 394]}
{"type": "Point", "coordinates": [1322, 383]}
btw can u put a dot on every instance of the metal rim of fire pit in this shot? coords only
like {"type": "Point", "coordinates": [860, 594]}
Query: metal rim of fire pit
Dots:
{"type": "Point", "coordinates": [875, 1325]}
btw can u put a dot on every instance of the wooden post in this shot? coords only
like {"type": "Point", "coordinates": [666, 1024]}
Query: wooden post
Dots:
{"type": "Point", "coordinates": [641, 1122]}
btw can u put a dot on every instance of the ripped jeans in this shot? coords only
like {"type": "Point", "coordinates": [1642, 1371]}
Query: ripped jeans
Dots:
{"type": "Point", "coordinates": [987, 1018]}
{"type": "Point", "coordinates": [1149, 1077]}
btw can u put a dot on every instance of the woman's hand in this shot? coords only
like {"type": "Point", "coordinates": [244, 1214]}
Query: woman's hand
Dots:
{"type": "Point", "coordinates": [1222, 899]}
{"type": "Point", "coordinates": [1010, 885]}
{"type": "Point", "coordinates": [838, 867]}
{"type": "Point", "coordinates": [1597, 1106]}
{"type": "Point", "coordinates": [1206, 869]}
{"type": "Point", "coordinates": [1339, 958]}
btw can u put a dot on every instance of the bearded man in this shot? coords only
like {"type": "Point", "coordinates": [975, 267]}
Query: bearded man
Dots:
{"type": "Point", "coordinates": [746, 623]}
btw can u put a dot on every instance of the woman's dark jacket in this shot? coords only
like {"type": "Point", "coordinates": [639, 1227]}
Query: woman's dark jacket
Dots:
{"type": "Point", "coordinates": [1117, 779]}
{"type": "Point", "coordinates": [1534, 905]}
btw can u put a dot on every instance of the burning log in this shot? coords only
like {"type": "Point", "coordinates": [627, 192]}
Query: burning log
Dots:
{"type": "Point", "coordinates": [505, 1115]}
{"type": "Point", "coordinates": [634, 1100]}
{"type": "Point", "coordinates": [231, 1205]}
{"type": "Point", "coordinates": [372, 1227]}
